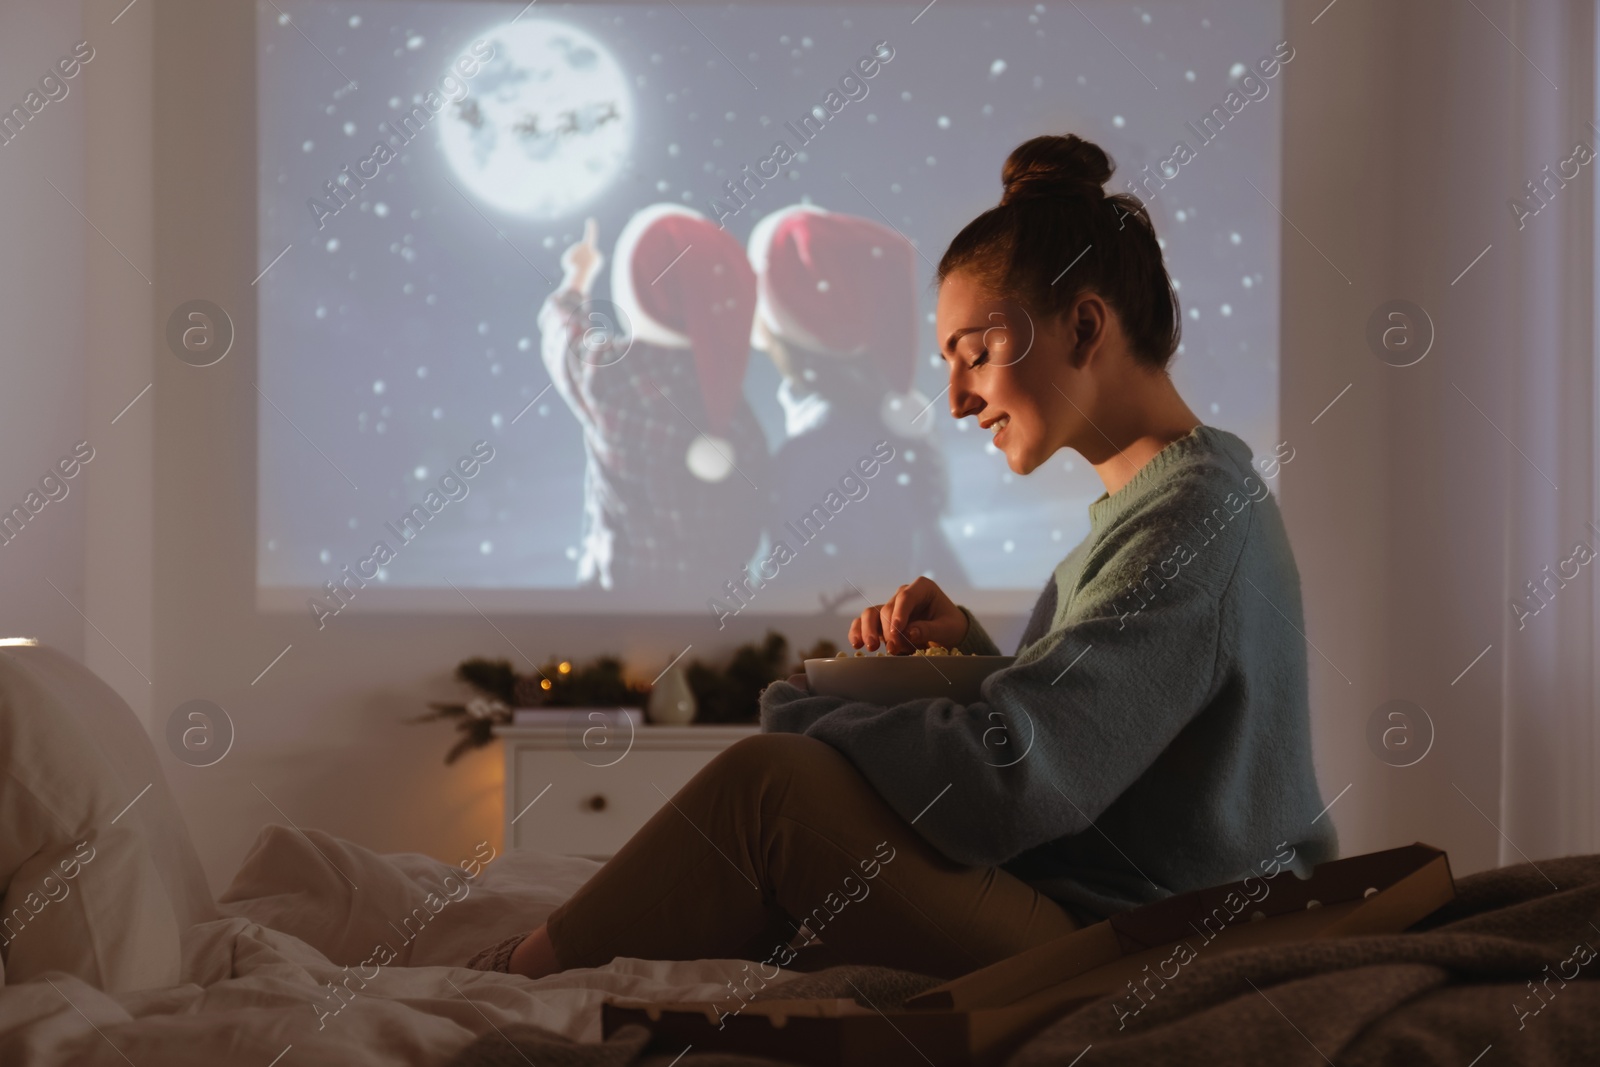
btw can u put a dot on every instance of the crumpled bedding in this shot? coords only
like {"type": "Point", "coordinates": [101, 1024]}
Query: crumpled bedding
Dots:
{"type": "Point", "coordinates": [289, 978]}
{"type": "Point", "coordinates": [331, 954]}
{"type": "Point", "coordinates": [1503, 975]}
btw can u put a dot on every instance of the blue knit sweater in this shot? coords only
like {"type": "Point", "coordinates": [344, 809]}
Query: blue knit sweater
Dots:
{"type": "Point", "coordinates": [1153, 735]}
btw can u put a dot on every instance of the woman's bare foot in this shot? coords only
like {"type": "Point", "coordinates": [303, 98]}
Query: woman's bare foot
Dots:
{"type": "Point", "coordinates": [535, 957]}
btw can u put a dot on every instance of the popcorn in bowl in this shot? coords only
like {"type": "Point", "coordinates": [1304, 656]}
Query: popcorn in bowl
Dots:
{"type": "Point", "coordinates": [934, 649]}
{"type": "Point", "coordinates": [887, 680]}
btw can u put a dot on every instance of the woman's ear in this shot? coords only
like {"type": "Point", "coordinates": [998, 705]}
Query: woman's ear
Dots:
{"type": "Point", "coordinates": [1087, 324]}
{"type": "Point", "coordinates": [1059, 332]}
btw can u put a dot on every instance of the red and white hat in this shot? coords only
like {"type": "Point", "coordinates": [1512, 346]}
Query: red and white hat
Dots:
{"type": "Point", "coordinates": [683, 282]}
{"type": "Point", "coordinates": [846, 286]}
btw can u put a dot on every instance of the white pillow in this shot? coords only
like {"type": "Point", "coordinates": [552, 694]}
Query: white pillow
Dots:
{"type": "Point", "coordinates": [99, 874]}
{"type": "Point", "coordinates": [422, 912]}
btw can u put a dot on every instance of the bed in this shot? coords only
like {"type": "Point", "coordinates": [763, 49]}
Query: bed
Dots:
{"type": "Point", "coordinates": [115, 953]}
{"type": "Point", "coordinates": [254, 984]}
{"type": "Point", "coordinates": [324, 952]}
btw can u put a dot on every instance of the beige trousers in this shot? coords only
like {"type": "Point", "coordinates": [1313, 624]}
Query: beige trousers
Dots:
{"type": "Point", "coordinates": [780, 830]}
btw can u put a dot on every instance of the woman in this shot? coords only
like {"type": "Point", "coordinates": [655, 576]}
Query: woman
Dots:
{"type": "Point", "coordinates": [1152, 736]}
{"type": "Point", "coordinates": [669, 440]}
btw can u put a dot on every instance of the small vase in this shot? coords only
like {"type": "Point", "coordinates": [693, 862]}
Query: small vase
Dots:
{"type": "Point", "coordinates": [671, 700]}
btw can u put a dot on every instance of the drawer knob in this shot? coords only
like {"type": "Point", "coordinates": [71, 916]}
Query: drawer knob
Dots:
{"type": "Point", "coordinates": [595, 803]}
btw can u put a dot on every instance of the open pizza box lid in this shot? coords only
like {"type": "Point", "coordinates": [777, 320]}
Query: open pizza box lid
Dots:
{"type": "Point", "coordinates": [981, 1017]}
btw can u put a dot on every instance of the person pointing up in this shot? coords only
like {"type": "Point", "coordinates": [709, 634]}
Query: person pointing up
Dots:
{"type": "Point", "coordinates": [675, 460]}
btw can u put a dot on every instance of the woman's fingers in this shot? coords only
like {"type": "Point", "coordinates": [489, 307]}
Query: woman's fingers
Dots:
{"type": "Point", "coordinates": [894, 638]}
{"type": "Point", "coordinates": [865, 631]}
{"type": "Point", "coordinates": [872, 629]}
{"type": "Point", "coordinates": [914, 615]}
{"type": "Point", "coordinates": [591, 231]}
{"type": "Point", "coordinates": [911, 603]}
{"type": "Point", "coordinates": [896, 614]}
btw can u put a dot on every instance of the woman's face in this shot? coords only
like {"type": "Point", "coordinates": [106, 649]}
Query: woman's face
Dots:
{"type": "Point", "coordinates": [1011, 371]}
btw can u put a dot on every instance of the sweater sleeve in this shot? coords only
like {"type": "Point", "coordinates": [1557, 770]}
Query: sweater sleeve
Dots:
{"type": "Point", "coordinates": [977, 642]}
{"type": "Point", "coordinates": [558, 348]}
{"type": "Point", "coordinates": [1061, 733]}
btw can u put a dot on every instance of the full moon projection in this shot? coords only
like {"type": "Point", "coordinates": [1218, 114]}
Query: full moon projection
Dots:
{"type": "Point", "coordinates": [548, 124]}
{"type": "Point", "coordinates": [454, 150]}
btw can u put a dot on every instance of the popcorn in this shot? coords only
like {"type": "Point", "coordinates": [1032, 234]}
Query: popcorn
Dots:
{"type": "Point", "coordinates": [934, 649]}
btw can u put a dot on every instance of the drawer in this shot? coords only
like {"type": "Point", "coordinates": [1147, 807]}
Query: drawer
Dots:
{"type": "Point", "coordinates": [587, 810]}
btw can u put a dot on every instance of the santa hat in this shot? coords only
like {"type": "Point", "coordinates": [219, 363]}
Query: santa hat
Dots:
{"type": "Point", "coordinates": [683, 282]}
{"type": "Point", "coordinates": [845, 286]}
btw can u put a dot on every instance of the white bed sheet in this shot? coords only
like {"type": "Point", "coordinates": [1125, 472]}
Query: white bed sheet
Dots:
{"type": "Point", "coordinates": [303, 909]}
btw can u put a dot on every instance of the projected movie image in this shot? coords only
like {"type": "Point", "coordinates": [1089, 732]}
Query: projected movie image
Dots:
{"type": "Point", "coordinates": [630, 308]}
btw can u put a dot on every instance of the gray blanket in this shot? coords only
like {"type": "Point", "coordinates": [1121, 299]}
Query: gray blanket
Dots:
{"type": "Point", "coordinates": [1503, 975]}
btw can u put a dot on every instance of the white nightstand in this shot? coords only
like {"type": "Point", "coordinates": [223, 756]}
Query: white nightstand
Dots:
{"type": "Point", "coordinates": [567, 797]}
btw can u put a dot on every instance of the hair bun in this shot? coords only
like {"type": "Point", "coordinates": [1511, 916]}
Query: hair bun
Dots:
{"type": "Point", "coordinates": [1053, 166]}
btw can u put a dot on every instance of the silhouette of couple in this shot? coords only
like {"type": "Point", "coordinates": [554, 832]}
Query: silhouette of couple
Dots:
{"type": "Point", "coordinates": [680, 491]}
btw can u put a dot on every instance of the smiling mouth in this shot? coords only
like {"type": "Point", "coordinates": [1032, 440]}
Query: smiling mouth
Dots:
{"type": "Point", "coordinates": [998, 426]}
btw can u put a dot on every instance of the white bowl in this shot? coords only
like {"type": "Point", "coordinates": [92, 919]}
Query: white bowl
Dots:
{"type": "Point", "coordinates": [890, 680]}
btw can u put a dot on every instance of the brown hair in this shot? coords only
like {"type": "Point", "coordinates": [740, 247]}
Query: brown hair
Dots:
{"type": "Point", "coordinates": [1054, 209]}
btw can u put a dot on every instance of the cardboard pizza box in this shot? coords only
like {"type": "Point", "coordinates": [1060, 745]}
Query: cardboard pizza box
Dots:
{"type": "Point", "coordinates": [983, 1016]}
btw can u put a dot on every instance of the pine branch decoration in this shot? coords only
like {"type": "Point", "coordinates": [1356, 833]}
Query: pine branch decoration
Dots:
{"type": "Point", "coordinates": [723, 694]}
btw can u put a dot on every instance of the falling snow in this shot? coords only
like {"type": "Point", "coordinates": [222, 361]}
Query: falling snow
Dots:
{"type": "Point", "coordinates": [685, 162]}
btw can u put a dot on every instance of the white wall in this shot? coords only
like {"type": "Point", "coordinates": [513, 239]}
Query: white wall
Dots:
{"type": "Point", "coordinates": [1419, 513]}
{"type": "Point", "coordinates": [42, 298]}
{"type": "Point", "coordinates": [1398, 143]}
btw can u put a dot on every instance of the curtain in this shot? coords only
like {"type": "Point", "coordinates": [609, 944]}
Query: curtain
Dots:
{"type": "Point", "coordinates": [1548, 682]}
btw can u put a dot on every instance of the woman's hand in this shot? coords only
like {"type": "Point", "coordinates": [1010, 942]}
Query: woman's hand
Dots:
{"type": "Point", "coordinates": [915, 615]}
{"type": "Point", "coordinates": [583, 258]}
